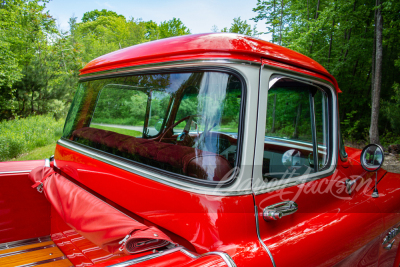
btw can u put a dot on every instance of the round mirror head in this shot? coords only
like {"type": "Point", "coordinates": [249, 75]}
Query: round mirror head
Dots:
{"type": "Point", "coordinates": [372, 157]}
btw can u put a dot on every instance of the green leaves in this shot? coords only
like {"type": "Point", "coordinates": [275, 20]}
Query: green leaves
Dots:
{"type": "Point", "coordinates": [173, 27]}
{"type": "Point", "coordinates": [339, 34]}
{"type": "Point", "coordinates": [241, 26]}
{"type": "Point", "coordinates": [22, 135]}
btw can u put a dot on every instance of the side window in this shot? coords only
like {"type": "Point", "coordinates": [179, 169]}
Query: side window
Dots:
{"type": "Point", "coordinates": [296, 129]}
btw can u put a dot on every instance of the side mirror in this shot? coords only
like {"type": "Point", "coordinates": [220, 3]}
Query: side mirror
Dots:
{"type": "Point", "coordinates": [372, 157]}
{"type": "Point", "coordinates": [371, 160]}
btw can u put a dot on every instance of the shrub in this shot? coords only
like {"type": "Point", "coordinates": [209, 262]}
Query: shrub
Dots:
{"type": "Point", "coordinates": [23, 135]}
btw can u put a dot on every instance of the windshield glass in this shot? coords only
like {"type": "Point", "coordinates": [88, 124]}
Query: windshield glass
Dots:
{"type": "Point", "coordinates": [185, 123]}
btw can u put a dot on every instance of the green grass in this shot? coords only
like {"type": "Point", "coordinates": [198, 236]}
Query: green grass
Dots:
{"type": "Point", "coordinates": [118, 130]}
{"type": "Point", "coordinates": [21, 136]}
{"type": "Point", "coordinates": [38, 153]}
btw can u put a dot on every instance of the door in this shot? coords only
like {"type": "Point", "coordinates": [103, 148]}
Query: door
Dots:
{"type": "Point", "coordinates": [306, 215]}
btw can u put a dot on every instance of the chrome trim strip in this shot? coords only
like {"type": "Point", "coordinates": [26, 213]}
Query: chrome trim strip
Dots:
{"type": "Point", "coordinates": [227, 259]}
{"type": "Point", "coordinates": [130, 69]}
{"type": "Point", "coordinates": [188, 253]}
{"type": "Point", "coordinates": [26, 250]}
{"type": "Point", "coordinates": [42, 262]}
{"type": "Point", "coordinates": [262, 242]}
{"type": "Point", "coordinates": [11, 172]}
{"type": "Point", "coordinates": [146, 173]}
{"type": "Point", "coordinates": [24, 242]}
{"type": "Point", "coordinates": [146, 258]}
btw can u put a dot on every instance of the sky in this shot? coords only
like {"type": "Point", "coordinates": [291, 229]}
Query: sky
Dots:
{"type": "Point", "coordinates": [199, 16]}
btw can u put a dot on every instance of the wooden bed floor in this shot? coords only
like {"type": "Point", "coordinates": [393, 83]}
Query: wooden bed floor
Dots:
{"type": "Point", "coordinates": [40, 252]}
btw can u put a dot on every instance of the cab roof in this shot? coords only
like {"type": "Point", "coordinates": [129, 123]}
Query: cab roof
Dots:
{"type": "Point", "coordinates": [204, 46]}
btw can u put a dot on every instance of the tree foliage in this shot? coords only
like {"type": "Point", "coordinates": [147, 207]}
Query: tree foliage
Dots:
{"type": "Point", "coordinates": [242, 27]}
{"type": "Point", "coordinates": [339, 34]}
{"type": "Point", "coordinates": [39, 64]}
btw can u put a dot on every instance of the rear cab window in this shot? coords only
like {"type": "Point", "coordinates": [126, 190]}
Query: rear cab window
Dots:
{"type": "Point", "coordinates": [184, 123]}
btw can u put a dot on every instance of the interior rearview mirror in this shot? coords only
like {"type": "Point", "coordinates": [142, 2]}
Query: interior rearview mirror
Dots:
{"type": "Point", "coordinates": [372, 157]}
{"type": "Point", "coordinates": [159, 124]}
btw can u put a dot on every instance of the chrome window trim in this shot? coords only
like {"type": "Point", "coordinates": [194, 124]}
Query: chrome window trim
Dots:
{"type": "Point", "coordinates": [225, 257]}
{"type": "Point", "coordinates": [239, 186]}
{"type": "Point", "coordinates": [161, 65]}
{"type": "Point", "coordinates": [267, 187]}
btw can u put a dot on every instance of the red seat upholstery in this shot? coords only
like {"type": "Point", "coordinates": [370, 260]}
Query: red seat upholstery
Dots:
{"type": "Point", "coordinates": [193, 162]}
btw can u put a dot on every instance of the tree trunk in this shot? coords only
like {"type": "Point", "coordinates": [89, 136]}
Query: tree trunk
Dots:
{"type": "Point", "coordinates": [308, 14]}
{"type": "Point", "coordinates": [273, 115]}
{"type": "Point", "coordinates": [373, 132]}
{"type": "Point", "coordinates": [316, 17]}
{"type": "Point", "coordinates": [331, 41]}
{"type": "Point", "coordinates": [280, 30]}
{"type": "Point", "coordinates": [373, 60]}
{"type": "Point", "coordinates": [273, 24]}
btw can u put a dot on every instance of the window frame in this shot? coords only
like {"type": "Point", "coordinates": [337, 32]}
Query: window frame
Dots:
{"type": "Point", "coordinates": [172, 175]}
{"type": "Point", "coordinates": [261, 185]}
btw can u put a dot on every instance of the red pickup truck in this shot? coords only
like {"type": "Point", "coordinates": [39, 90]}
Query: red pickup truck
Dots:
{"type": "Point", "coordinates": [202, 150]}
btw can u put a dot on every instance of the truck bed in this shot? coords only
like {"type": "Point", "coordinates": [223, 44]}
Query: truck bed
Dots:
{"type": "Point", "coordinates": [41, 252]}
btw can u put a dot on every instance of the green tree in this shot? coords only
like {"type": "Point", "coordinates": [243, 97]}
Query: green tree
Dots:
{"type": "Point", "coordinates": [242, 27]}
{"type": "Point", "coordinates": [339, 34]}
{"type": "Point", "coordinates": [173, 27]}
{"type": "Point", "coordinates": [95, 14]}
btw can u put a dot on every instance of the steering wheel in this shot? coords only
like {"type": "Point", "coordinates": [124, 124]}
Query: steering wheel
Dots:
{"type": "Point", "coordinates": [184, 137]}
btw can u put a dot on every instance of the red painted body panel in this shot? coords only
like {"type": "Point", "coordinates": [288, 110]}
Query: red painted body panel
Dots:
{"type": "Point", "coordinates": [17, 166]}
{"type": "Point", "coordinates": [204, 46]}
{"type": "Point", "coordinates": [388, 203]}
{"type": "Point", "coordinates": [79, 250]}
{"type": "Point", "coordinates": [208, 223]}
{"type": "Point", "coordinates": [23, 212]}
{"type": "Point", "coordinates": [176, 259]}
{"type": "Point", "coordinates": [328, 221]}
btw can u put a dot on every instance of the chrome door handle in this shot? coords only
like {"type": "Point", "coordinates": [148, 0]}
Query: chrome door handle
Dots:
{"type": "Point", "coordinates": [278, 210]}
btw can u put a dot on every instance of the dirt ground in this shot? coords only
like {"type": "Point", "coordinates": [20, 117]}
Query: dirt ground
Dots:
{"type": "Point", "coordinates": [391, 162]}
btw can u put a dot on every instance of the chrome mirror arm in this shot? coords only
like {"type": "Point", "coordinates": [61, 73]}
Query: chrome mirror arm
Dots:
{"type": "Point", "coordinates": [375, 194]}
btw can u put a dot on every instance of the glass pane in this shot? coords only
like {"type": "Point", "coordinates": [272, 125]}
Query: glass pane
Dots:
{"type": "Point", "coordinates": [185, 123]}
{"type": "Point", "coordinates": [120, 109]}
{"type": "Point", "coordinates": [288, 147]}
